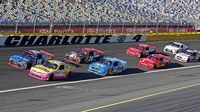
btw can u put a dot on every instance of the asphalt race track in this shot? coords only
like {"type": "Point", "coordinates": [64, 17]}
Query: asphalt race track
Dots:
{"type": "Point", "coordinates": [134, 82]}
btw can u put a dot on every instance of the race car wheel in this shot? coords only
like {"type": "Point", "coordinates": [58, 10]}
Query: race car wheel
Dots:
{"type": "Point", "coordinates": [165, 66]}
{"type": "Point", "coordinates": [188, 60]}
{"type": "Point", "coordinates": [154, 67]}
{"type": "Point", "coordinates": [69, 75]}
{"type": "Point", "coordinates": [199, 60]}
{"type": "Point", "coordinates": [28, 66]}
{"type": "Point", "coordinates": [51, 76]}
{"type": "Point", "coordinates": [108, 73]}
{"type": "Point", "coordinates": [140, 55]}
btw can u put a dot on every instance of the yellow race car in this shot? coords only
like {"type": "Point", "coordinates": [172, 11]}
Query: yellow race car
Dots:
{"type": "Point", "coordinates": [51, 70]}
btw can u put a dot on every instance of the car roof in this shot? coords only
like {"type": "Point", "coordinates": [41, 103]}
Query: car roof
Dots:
{"type": "Point", "coordinates": [178, 43]}
{"type": "Point", "coordinates": [157, 55]}
{"type": "Point", "coordinates": [86, 49]}
{"type": "Point", "coordinates": [143, 45]}
{"type": "Point", "coordinates": [33, 52]}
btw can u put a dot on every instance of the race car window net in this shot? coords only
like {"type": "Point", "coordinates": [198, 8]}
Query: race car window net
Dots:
{"type": "Point", "coordinates": [105, 62]}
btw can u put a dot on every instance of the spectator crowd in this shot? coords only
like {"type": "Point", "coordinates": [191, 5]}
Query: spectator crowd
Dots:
{"type": "Point", "coordinates": [166, 11]}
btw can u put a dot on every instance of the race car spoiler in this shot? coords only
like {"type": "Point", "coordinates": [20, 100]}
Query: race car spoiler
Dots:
{"type": "Point", "coordinates": [70, 61]}
{"type": "Point", "coordinates": [47, 53]}
{"type": "Point", "coordinates": [98, 51]}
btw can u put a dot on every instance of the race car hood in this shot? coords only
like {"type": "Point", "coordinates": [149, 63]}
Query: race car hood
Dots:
{"type": "Point", "coordinates": [171, 47]}
{"type": "Point", "coordinates": [42, 69]}
{"type": "Point", "coordinates": [19, 58]}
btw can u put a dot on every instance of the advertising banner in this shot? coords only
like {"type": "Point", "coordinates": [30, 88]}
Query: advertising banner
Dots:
{"type": "Point", "coordinates": [67, 40]}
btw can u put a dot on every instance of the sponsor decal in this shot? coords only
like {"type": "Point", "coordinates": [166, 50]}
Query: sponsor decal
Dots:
{"type": "Point", "coordinates": [66, 40]}
{"type": "Point", "coordinates": [121, 38]}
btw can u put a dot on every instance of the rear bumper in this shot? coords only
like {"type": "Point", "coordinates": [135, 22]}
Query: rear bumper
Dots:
{"type": "Point", "coordinates": [16, 65]}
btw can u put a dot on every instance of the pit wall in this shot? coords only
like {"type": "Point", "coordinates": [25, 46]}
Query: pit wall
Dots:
{"type": "Point", "coordinates": [7, 40]}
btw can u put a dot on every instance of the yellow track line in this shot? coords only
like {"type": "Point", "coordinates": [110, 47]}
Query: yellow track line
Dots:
{"type": "Point", "coordinates": [139, 98]}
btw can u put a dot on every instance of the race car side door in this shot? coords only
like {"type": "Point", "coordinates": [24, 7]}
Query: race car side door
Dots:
{"type": "Point", "coordinates": [61, 71]}
{"type": "Point", "coordinates": [116, 67]}
{"type": "Point", "coordinates": [38, 59]}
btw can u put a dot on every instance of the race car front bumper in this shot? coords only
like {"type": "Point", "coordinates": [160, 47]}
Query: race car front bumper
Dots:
{"type": "Point", "coordinates": [38, 75]}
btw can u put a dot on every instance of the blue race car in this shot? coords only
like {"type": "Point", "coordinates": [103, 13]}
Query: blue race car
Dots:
{"type": "Point", "coordinates": [26, 59]}
{"type": "Point", "coordinates": [107, 66]}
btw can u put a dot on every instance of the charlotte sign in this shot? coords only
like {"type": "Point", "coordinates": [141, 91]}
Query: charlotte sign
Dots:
{"type": "Point", "coordinates": [66, 40]}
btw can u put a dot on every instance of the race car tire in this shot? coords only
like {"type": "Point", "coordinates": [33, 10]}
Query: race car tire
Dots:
{"type": "Point", "coordinates": [188, 60]}
{"type": "Point", "coordinates": [51, 77]}
{"type": "Point", "coordinates": [199, 60]}
{"type": "Point", "coordinates": [28, 66]}
{"type": "Point", "coordinates": [69, 75]}
{"type": "Point", "coordinates": [140, 55]}
{"type": "Point", "coordinates": [165, 66]}
{"type": "Point", "coordinates": [108, 73]}
{"type": "Point", "coordinates": [154, 67]}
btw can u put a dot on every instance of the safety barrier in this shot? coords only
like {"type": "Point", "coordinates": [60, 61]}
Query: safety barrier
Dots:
{"type": "Point", "coordinates": [45, 40]}
{"type": "Point", "coordinates": [63, 39]}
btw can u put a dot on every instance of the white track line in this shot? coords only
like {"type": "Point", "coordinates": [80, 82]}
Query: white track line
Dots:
{"type": "Point", "coordinates": [89, 80]}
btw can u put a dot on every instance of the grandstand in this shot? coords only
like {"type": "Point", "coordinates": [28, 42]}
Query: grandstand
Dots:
{"type": "Point", "coordinates": [98, 13]}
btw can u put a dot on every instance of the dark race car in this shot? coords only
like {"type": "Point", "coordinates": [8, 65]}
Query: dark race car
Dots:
{"type": "Point", "coordinates": [84, 55]}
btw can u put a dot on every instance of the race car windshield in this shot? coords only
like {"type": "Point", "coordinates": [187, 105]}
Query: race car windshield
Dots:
{"type": "Point", "coordinates": [105, 62]}
{"type": "Point", "coordinates": [139, 47]}
{"type": "Point", "coordinates": [79, 52]}
{"type": "Point", "coordinates": [175, 45]}
{"type": "Point", "coordinates": [50, 65]}
{"type": "Point", "coordinates": [152, 58]}
{"type": "Point", "coordinates": [26, 54]}
{"type": "Point", "coordinates": [187, 52]}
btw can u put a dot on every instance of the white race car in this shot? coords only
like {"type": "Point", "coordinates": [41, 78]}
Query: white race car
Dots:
{"type": "Point", "coordinates": [188, 56]}
{"type": "Point", "coordinates": [175, 47]}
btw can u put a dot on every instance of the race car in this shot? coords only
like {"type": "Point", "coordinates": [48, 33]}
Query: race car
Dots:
{"type": "Point", "coordinates": [107, 66]}
{"type": "Point", "coordinates": [141, 50]}
{"type": "Point", "coordinates": [83, 55]}
{"type": "Point", "coordinates": [175, 47]}
{"type": "Point", "coordinates": [29, 58]}
{"type": "Point", "coordinates": [189, 55]}
{"type": "Point", "coordinates": [51, 70]}
{"type": "Point", "coordinates": [153, 61]}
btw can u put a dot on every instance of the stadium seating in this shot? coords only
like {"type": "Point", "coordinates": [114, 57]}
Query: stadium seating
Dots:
{"type": "Point", "coordinates": [30, 11]}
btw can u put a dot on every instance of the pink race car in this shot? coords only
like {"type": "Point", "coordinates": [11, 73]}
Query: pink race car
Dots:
{"type": "Point", "coordinates": [154, 61]}
{"type": "Point", "coordinates": [141, 50]}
